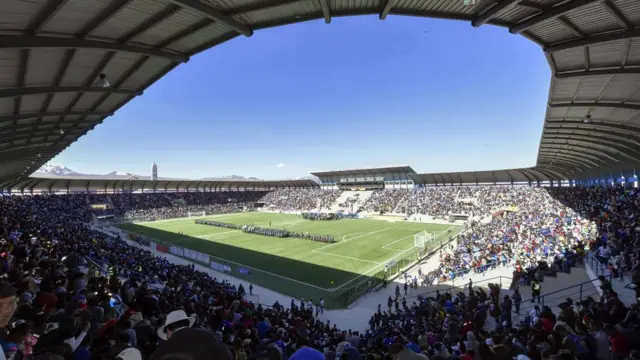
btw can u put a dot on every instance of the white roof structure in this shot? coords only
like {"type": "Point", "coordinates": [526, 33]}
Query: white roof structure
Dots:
{"type": "Point", "coordinates": [52, 53]}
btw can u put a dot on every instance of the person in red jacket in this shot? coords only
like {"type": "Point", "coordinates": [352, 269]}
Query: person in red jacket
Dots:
{"type": "Point", "coordinates": [619, 343]}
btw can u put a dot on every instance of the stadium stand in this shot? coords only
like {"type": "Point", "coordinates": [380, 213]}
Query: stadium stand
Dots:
{"type": "Point", "coordinates": [541, 230]}
{"type": "Point", "coordinates": [384, 200]}
{"type": "Point", "coordinates": [51, 311]}
{"type": "Point", "coordinates": [149, 207]}
{"type": "Point", "coordinates": [440, 202]}
{"type": "Point", "coordinates": [300, 199]}
{"type": "Point", "coordinates": [43, 292]}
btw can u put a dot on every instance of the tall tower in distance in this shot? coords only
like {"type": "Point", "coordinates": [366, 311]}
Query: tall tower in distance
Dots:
{"type": "Point", "coordinates": [154, 171]}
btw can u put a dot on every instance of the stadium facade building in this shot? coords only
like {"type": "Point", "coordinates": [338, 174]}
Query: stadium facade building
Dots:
{"type": "Point", "coordinates": [375, 178]}
{"type": "Point", "coordinates": [91, 184]}
{"type": "Point", "coordinates": [390, 177]}
{"type": "Point", "coordinates": [56, 90]}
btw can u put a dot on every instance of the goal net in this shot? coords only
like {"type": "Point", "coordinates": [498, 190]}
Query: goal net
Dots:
{"type": "Point", "coordinates": [200, 213]}
{"type": "Point", "coordinates": [421, 239]}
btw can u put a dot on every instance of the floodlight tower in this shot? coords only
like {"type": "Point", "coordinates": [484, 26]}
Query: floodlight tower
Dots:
{"type": "Point", "coordinates": [154, 171]}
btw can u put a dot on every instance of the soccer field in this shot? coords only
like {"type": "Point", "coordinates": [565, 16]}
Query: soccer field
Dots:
{"type": "Point", "coordinates": [298, 267]}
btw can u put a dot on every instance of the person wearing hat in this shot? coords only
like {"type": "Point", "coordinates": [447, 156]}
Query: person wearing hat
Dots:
{"type": "Point", "coordinates": [397, 351]}
{"type": "Point", "coordinates": [175, 321]}
{"type": "Point", "coordinates": [61, 328]}
{"type": "Point", "coordinates": [129, 354]}
{"type": "Point", "coordinates": [180, 338]}
{"type": "Point", "coordinates": [307, 353]}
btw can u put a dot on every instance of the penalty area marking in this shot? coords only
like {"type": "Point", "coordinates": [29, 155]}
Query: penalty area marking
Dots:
{"type": "Point", "coordinates": [369, 271]}
{"type": "Point", "coordinates": [347, 257]}
{"type": "Point", "coordinates": [387, 247]}
{"type": "Point", "coordinates": [358, 235]}
{"type": "Point", "coordinates": [400, 252]}
{"type": "Point", "coordinates": [353, 238]}
{"type": "Point", "coordinates": [344, 238]}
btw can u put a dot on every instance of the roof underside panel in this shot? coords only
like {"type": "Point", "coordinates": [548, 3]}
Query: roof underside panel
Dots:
{"type": "Point", "coordinates": [391, 170]}
{"type": "Point", "coordinates": [524, 175]}
{"type": "Point", "coordinates": [52, 53]}
{"type": "Point", "coordinates": [100, 184]}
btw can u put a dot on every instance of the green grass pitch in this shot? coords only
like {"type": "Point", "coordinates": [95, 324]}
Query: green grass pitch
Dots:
{"type": "Point", "coordinates": [297, 267]}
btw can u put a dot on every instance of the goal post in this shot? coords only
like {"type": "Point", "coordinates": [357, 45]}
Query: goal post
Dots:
{"type": "Point", "coordinates": [421, 239]}
{"type": "Point", "coordinates": [197, 213]}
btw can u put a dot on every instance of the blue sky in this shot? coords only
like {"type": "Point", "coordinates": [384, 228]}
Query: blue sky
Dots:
{"type": "Point", "coordinates": [437, 95]}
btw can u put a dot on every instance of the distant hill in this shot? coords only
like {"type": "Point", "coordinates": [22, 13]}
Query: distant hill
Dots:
{"type": "Point", "coordinates": [63, 171]}
{"type": "Point", "coordinates": [57, 170]}
{"type": "Point", "coordinates": [120, 173]}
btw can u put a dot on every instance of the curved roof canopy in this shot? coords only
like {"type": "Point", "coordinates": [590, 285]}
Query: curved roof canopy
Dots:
{"type": "Point", "coordinates": [400, 169]}
{"type": "Point", "coordinates": [524, 175]}
{"type": "Point", "coordinates": [79, 183]}
{"type": "Point", "coordinates": [53, 51]}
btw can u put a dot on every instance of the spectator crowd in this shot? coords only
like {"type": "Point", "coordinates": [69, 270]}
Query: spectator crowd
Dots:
{"type": "Point", "coordinates": [151, 207]}
{"type": "Point", "coordinates": [385, 200]}
{"type": "Point", "coordinates": [537, 228]}
{"type": "Point", "coordinates": [320, 216]}
{"type": "Point", "coordinates": [51, 309]}
{"type": "Point", "coordinates": [442, 201]}
{"type": "Point", "coordinates": [300, 199]}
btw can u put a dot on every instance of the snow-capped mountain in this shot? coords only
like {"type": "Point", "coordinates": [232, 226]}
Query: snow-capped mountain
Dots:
{"type": "Point", "coordinates": [57, 170]}
{"type": "Point", "coordinates": [63, 171]}
{"type": "Point", "coordinates": [310, 177]}
{"type": "Point", "coordinates": [120, 173]}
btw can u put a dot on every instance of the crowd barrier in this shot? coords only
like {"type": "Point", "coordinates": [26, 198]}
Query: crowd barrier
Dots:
{"type": "Point", "coordinates": [598, 268]}
{"type": "Point", "coordinates": [101, 268]}
{"type": "Point", "coordinates": [577, 292]}
{"type": "Point", "coordinates": [450, 289]}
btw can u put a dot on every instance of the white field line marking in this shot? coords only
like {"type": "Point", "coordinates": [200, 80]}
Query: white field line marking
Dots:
{"type": "Point", "coordinates": [368, 271]}
{"type": "Point", "coordinates": [344, 238]}
{"type": "Point", "coordinates": [288, 223]}
{"type": "Point", "coordinates": [350, 239]}
{"type": "Point", "coordinates": [218, 233]}
{"type": "Point", "coordinates": [401, 252]}
{"type": "Point", "coordinates": [420, 229]}
{"type": "Point", "coordinates": [315, 250]}
{"type": "Point", "coordinates": [185, 218]}
{"type": "Point", "coordinates": [434, 237]}
{"type": "Point", "coordinates": [347, 257]}
{"type": "Point", "coordinates": [389, 244]}
{"type": "Point", "coordinates": [395, 249]}
{"type": "Point", "coordinates": [267, 272]}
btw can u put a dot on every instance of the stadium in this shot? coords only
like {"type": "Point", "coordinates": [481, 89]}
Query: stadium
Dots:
{"type": "Point", "coordinates": [526, 263]}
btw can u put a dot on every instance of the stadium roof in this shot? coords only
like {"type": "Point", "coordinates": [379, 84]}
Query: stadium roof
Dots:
{"type": "Point", "coordinates": [53, 51]}
{"type": "Point", "coordinates": [113, 185]}
{"type": "Point", "coordinates": [401, 169]}
{"type": "Point", "coordinates": [480, 177]}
